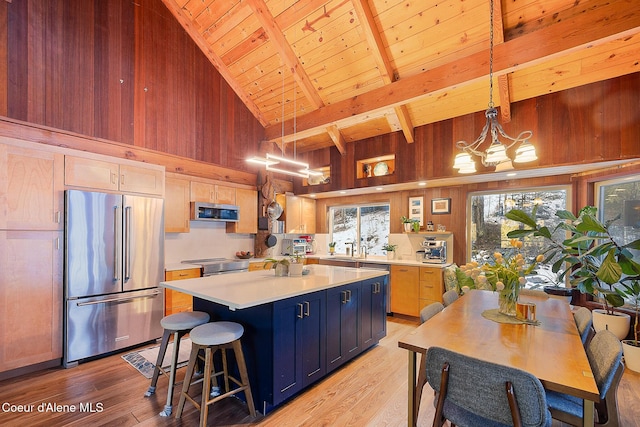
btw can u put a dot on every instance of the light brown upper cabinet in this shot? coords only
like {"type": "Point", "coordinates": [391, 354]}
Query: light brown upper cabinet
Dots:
{"type": "Point", "coordinates": [247, 201]}
{"type": "Point", "coordinates": [31, 189]}
{"type": "Point", "coordinates": [212, 193]}
{"type": "Point", "coordinates": [176, 205]}
{"type": "Point", "coordinates": [300, 215]}
{"type": "Point", "coordinates": [106, 175]}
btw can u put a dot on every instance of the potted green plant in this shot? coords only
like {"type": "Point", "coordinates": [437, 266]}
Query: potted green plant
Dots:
{"type": "Point", "coordinates": [332, 248]}
{"type": "Point", "coordinates": [590, 257]}
{"type": "Point", "coordinates": [296, 265]}
{"type": "Point", "coordinates": [631, 348]}
{"type": "Point", "coordinates": [281, 266]}
{"type": "Point", "coordinates": [391, 250]}
{"type": "Point", "coordinates": [406, 223]}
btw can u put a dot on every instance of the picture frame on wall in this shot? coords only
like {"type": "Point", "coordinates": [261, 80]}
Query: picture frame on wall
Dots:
{"type": "Point", "coordinates": [416, 209]}
{"type": "Point", "coordinates": [440, 206]}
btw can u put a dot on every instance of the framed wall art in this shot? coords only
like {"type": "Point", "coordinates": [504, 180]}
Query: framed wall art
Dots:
{"type": "Point", "coordinates": [440, 206]}
{"type": "Point", "coordinates": [416, 209]}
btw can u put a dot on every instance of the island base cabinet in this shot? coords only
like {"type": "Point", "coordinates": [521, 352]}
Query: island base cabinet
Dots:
{"type": "Point", "coordinates": [343, 324]}
{"type": "Point", "coordinates": [288, 344]}
{"type": "Point", "coordinates": [373, 311]}
{"type": "Point", "coordinates": [299, 330]}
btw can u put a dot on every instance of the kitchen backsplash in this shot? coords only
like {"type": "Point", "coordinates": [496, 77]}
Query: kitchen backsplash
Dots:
{"type": "Point", "coordinates": [205, 240]}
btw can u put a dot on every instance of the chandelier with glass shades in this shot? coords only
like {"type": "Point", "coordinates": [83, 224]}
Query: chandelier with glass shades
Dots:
{"type": "Point", "coordinates": [496, 154]}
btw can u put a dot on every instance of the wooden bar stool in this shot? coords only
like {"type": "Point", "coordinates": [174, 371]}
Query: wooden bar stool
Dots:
{"type": "Point", "coordinates": [178, 325]}
{"type": "Point", "coordinates": [212, 337]}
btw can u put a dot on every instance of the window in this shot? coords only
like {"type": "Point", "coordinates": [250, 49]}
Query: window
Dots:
{"type": "Point", "coordinates": [367, 226]}
{"type": "Point", "coordinates": [488, 227]}
{"type": "Point", "coordinates": [618, 202]}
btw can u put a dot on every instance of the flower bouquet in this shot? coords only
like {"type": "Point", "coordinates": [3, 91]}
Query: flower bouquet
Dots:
{"type": "Point", "coordinates": [506, 275]}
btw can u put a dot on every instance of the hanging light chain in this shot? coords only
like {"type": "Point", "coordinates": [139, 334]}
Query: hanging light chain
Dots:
{"type": "Point", "coordinates": [491, 56]}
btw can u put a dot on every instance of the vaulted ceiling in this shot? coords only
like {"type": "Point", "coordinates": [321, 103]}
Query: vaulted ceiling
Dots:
{"type": "Point", "coordinates": [325, 73]}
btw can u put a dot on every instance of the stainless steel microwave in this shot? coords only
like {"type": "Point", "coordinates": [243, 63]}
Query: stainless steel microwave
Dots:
{"type": "Point", "coordinates": [201, 211]}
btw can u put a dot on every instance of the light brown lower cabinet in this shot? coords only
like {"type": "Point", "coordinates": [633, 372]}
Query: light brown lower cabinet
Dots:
{"type": "Point", "coordinates": [413, 288]}
{"type": "Point", "coordinates": [30, 297]}
{"type": "Point", "coordinates": [431, 285]}
{"type": "Point", "coordinates": [174, 301]}
{"type": "Point", "coordinates": [405, 290]}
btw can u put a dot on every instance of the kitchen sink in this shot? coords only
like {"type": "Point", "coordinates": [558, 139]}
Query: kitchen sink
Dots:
{"type": "Point", "coordinates": [340, 261]}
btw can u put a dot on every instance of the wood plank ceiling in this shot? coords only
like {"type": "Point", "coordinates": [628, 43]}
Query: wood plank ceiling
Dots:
{"type": "Point", "coordinates": [318, 73]}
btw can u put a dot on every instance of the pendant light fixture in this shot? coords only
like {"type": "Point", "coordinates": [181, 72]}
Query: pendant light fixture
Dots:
{"type": "Point", "coordinates": [496, 153]}
{"type": "Point", "coordinates": [282, 164]}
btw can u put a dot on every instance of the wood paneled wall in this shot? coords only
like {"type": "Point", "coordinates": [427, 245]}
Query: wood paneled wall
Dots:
{"type": "Point", "coordinates": [588, 124]}
{"type": "Point", "coordinates": [122, 71]}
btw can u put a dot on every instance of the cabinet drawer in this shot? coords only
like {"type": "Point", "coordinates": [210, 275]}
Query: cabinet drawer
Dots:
{"type": "Point", "coordinates": [433, 275]}
{"type": "Point", "coordinates": [188, 273]}
{"type": "Point", "coordinates": [430, 291]}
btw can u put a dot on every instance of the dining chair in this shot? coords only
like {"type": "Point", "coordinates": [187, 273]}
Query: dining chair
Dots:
{"type": "Point", "coordinates": [584, 322]}
{"type": "Point", "coordinates": [430, 310]}
{"type": "Point", "coordinates": [474, 392]}
{"type": "Point", "coordinates": [605, 357]}
{"type": "Point", "coordinates": [425, 314]}
{"type": "Point", "coordinates": [449, 297]}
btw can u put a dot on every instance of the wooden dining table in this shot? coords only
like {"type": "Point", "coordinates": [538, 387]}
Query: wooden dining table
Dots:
{"type": "Point", "coordinates": [551, 350]}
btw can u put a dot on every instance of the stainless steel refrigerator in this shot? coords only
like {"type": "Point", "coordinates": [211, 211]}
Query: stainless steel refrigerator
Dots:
{"type": "Point", "coordinates": [114, 261]}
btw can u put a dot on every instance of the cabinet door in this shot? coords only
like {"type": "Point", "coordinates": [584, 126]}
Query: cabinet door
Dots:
{"type": "Point", "coordinates": [308, 215]}
{"type": "Point", "coordinates": [373, 325]}
{"type": "Point", "coordinates": [202, 192]}
{"type": "Point", "coordinates": [226, 195]}
{"type": "Point", "coordinates": [176, 206]}
{"type": "Point", "coordinates": [298, 343]}
{"type": "Point", "coordinates": [31, 295]}
{"type": "Point", "coordinates": [343, 324]}
{"type": "Point", "coordinates": [405, 290]}
{"type": "Point", "coordinates": [31, 189]}
{"type": "Point", "coordinates": [138, 179]}
{"type": "Point", "coordinates": [293, 212]}
{"type": "Point", "coordinates": [174, 301]}
{"type": "Point", "coordinates": [91, 173]}
{"type": "Point", "coordinates": [247, 201]}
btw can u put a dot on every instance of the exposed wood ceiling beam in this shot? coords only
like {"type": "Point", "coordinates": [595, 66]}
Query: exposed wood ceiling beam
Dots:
{"type": "Point", "coordinates": [567, 36]}
{"type": "Point", "coordinates": [503, 79]}
{"type": "Point", "coordinates": [337, 138]}
{"type": "Point", "coordinates": [376, 45]}
{"type": "Point", "coordinates": [284, 49]}
{"type": "Point", "coordinates": [184, 20]}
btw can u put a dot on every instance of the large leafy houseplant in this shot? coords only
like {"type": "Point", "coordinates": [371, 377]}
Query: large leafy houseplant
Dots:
{"type": "Point", "coordinates": [590, 256]}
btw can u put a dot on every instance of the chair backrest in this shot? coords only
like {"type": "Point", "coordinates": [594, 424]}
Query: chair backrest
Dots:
{"type": "Point", "coordinates": [476, 391]}
{"type": "Point", "coordinates": [584, 320]}
{"type": "Point", "coordinates": [429, 311]}
{"type": "Point", "coordinates": [449, 297]}
{"type": "Point", "coordinates": [604, 353]}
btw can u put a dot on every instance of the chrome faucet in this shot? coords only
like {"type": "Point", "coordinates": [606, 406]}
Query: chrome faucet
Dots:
{"type": "Point", "coordinates": [352, 244]}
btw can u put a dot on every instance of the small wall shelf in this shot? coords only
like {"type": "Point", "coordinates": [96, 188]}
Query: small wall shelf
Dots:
{"type": "Point", "coordinates": [376, 166]}
{"type": "Point", "coordinates": [318, 180]}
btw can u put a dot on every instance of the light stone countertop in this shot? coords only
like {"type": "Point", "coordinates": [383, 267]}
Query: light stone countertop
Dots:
{"type": "Point", "coordinates": [244, 290]}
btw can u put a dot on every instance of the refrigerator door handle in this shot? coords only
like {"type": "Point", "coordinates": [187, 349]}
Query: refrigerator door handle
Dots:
{"type": "Point", "coordinates": [127, 243]}
{"type": "Point", "coordinates": [124, 299]}
{"type": "Point", "coordinates": [116, 244]}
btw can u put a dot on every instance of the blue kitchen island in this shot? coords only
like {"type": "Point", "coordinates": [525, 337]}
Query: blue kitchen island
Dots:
{"type": "Point", "coordinates": [297, 329]}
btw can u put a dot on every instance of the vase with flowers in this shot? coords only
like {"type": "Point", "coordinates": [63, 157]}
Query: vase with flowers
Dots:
{"type": "Point", "coordinates": [506, 275]}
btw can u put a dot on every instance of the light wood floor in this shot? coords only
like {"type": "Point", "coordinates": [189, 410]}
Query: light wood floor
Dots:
{"type": "Point", "coordinates": [369, 391]}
